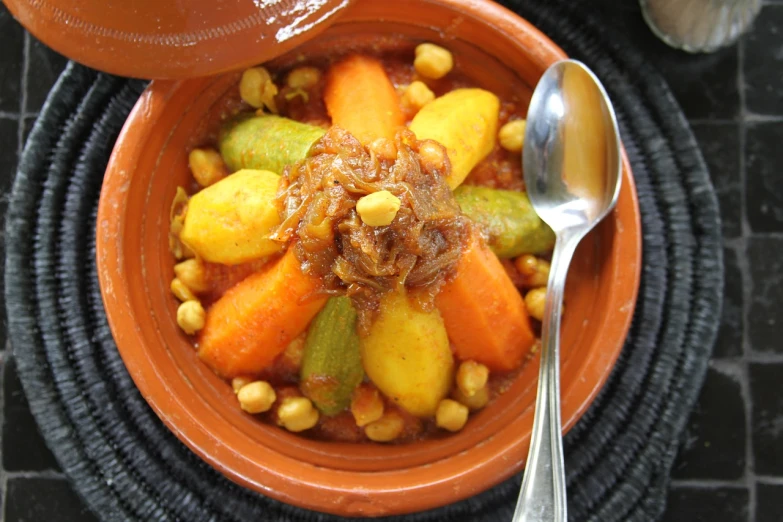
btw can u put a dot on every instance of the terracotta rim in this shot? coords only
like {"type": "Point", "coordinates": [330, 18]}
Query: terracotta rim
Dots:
{"type": "Point", "coordinates": [271, 470]}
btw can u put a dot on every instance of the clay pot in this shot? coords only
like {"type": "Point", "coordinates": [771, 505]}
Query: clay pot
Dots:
{"type": "Point", "coordinates": [499, 51]}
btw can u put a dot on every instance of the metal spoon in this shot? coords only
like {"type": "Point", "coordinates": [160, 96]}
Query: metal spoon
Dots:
{"type": "Point", "coordinates": [572, 172]}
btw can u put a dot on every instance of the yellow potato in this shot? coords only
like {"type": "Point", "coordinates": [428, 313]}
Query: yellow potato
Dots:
{"type": "Point", "coordinates": [465, 121]}
{"type": "Point", "coordinates": [229, 222]}
{"type": "Point", "coordinates": [407, 355]}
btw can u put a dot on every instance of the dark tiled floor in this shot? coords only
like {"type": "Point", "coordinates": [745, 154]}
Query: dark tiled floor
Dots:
{"type": "Point", "coordinates": [715, 447]}
{"type": "Point", "coordinates": [692, 504]}
{"type": "Point", "coordinates": [11, 44]}
{"type": "Point", "coordinates": [765, 324]}
{"type": "Point", "coordinates": [763, 158]}
{"type": "Point", "coordinates": [47, 66]}
{"type": "Point", "coordinates": [729, 343]}
{"type": "Point", "coordinates": [20, 430]}
{"type": "Point", "coordinates": [763, 62]}
{"type": "Point", "coordinates": [43, 500]}
{"type": "Point", "coordinates": [767, 420]}
{"type": "Point", "coordinates": [731, 465]}
{"type": "Point", "coordinates": [769, 499]}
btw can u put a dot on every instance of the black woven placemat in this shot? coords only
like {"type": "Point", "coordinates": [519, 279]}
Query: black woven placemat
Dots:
{"type": "Point", "coordinates": [128, 466]}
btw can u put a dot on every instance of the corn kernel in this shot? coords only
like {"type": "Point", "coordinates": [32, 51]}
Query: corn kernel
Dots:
{"type": "Point", "coordinates": [475, 402]}
{"type": "Point", "coordinates": [297, 414]}
{"type": "Point", "coordinates": [181, 291]}
{"type": "Point", "coordinates": [190, 317]}
{"type": "Point", "coordinates": [366, 405]}
{"type": "Point", "coordinates": [432, 61]}
{"type": "Point", "coordinates": [303, 78]}
{"type": "Point", "coordinates": [385, 429]}
{"type": "Point", "coordinates": [192, 275]}
{"type": "Point", "coordinates": [379, 208]}
{"type": "Point", "coordinates": [451, 415]}
{"type": "Point", "coordinates": [512, 135]}
{"type": "Point", "coordinates": [417, 95]}
{"type": "Point", "coordinates": [207, 166]}
{"type": "Point", "coordinates": [238, 382]}
{"type": "Point", "coordinates": [471, 377]}
{"type": "Point", "coordinates": [256, 397]}
{"type": "Point", "coordinates": [257, 89]}
{"type": "Point", "coordinates": [535, 300]}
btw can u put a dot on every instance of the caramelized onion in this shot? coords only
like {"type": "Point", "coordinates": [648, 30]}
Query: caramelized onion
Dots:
{"type": "Point", "coordinates": [317, 203]}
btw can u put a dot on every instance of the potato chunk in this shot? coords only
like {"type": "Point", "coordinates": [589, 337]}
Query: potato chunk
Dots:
{"type": "Point", "coordinates": [229, 222]}
{"type": "Point", "coordinates": [465, 121]}
{"type": "Point", "coordinates": [407, 355]}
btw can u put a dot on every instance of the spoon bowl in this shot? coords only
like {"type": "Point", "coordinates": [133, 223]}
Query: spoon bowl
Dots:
{"type": "Point", "coordinates": [572, 149]}
{"type": "Point", "coordinates": [573, 168]}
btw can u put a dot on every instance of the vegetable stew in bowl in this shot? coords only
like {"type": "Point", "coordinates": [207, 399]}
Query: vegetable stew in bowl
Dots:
{"type": "Point", "coordinates": [323, 467]}
{"type": "Point", "coordinates": [356, 253]}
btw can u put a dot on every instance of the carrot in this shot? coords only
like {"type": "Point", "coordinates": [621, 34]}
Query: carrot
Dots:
{"type": "Point", "coordinates": [485, 316]}
{"type": "Point", "coordinates": [361, 99]}
{"type": "Point", "coordinates": [255, 320]}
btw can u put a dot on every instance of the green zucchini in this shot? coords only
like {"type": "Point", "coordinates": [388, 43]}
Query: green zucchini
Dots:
{"type": "Point", "coordinates": [513, 226]}
{"type": "Point", "coordinates": [266, 142]}
{"type": "Point", "coordinates": [332, 363]}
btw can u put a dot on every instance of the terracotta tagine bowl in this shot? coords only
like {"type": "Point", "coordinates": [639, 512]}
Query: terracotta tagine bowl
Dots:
{"type": "Point", "coordinates": [499, 51]}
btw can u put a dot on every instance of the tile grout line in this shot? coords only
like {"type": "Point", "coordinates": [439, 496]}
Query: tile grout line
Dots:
{"type": "Point", "coordinates": [3, 479]}
{"type": "Point", "coordinates": [747, 283]}
{"type": "Point", "coordinates": [42, 474]}
{"type": "Point", "coordinates": [771, 480]}
{"type": "Point", "coordinates": [708, 483]}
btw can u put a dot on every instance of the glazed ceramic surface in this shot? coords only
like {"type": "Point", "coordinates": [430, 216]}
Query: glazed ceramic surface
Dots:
{"type": "Point", "coordinates": [174, 38]}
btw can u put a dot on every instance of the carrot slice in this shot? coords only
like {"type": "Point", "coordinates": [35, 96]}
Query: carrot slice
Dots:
{"type": "Point", "coordinates": [255, 320]}
{"type": "Point", "coordinates": [361, 99]}
{"type": "Point", "coordinates": [486, 319]}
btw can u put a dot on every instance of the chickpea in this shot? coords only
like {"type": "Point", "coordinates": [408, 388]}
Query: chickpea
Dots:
{"type": "Point", "coordinates": [192, 274]}
{"type": "Point", "coordinates": [475, 402]}
{"type": "Point", "coordinates": [534, 301]}
{"type": "Point", "coordinates": [417, 95]}
{"type": "Point", "coordinates": [295, 351]}
{"type": "Point", "coordinates": [512, 135]}
{"type": "Point", "coordinates": [432, 61]}
{"type": "Point", "coordinates": [207, 166]}
{"type": "Point", "coordinates": [385, 429]}
{"type": "Point", "coordinates": [366, 405]}
{"type": "Point", "coordinates": [303, 78]}
{"type": "Point", "coordinates": [534, 271]}
{"type": "Point", "coordinates": [297, 414]}
{"type": "Point", "coordinates": [257, 89]}
{"type": "Point", "coordinates": [238, 382]}
{"type": "Point", "coordinates": [256, 397]}
{"type": "Point", "coordinates": [451, 415]}
{"type": "Point", "coordinates": [181, 291]}
{"type": "Point", "coordinates": [379, 208]}
{"type": "Point", "coordinates": [432, 155]}
{"type": "Point", "coordinates": [190, 317]}
{"type": "Point", "coordinates": [384, 149]}
{"type": "Point", "coordinates": [471, 377]}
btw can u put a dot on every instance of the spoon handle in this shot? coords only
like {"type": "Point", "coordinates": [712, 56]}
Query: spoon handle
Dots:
{"type": "Point", "coordinates": [543, 494]}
